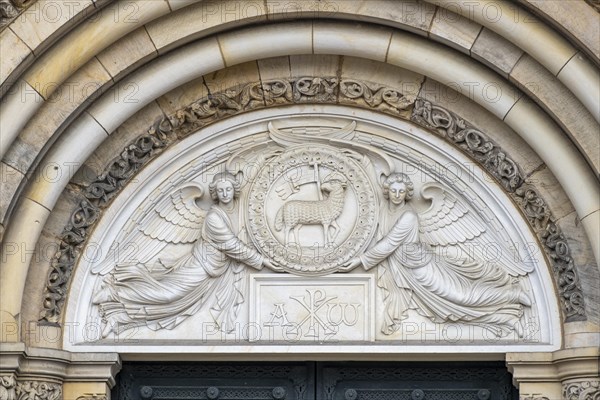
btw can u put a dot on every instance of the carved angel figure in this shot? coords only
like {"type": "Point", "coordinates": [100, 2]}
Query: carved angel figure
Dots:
{"type": "Point", "coordinates": [436, 263]}
{"type": "Point", "coordinates": [163, 293]}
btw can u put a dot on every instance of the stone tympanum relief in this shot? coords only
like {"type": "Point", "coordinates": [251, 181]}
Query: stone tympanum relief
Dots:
{"type": "Point", "coordinates": [435, 263]}
{"type": "Point", "coordinates": [159, 292]}
{"type": "Point", "coordinates": [311, 234]}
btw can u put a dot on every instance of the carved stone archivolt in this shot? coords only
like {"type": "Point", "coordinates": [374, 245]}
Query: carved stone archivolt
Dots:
{"type": "Point", "coordinates": [327, 181]}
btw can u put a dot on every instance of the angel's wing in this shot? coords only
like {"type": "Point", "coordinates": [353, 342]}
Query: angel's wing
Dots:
{"type": "Point", "coordinates": [170, 218]}
{"type": "Point", "coordinates": [451, 222]}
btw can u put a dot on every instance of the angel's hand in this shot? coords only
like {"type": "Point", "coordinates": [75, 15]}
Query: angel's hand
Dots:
{"type": "Point", "coordinates": [269, 264]}
{"type": "Point", "coordinates": [350, 265]}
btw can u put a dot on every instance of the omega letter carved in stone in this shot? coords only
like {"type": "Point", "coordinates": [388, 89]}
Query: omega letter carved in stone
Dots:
{"type": "Point", "coordinates": [138, 289]}
{"type": "Point", "coordinates": [435, 263]}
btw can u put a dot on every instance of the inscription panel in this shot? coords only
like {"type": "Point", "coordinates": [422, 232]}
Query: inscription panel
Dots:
{"type": "Point", "coordinates": [323, 309]}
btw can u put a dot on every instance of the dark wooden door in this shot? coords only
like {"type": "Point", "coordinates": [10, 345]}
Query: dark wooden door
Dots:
{"type": "Point", "coordinates": [314, 381]}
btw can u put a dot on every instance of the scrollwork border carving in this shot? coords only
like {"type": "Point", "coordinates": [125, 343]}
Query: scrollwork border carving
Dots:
{"type": "Point", "coordinates": [38, 390]}
{"type": "Point", "coordinates": [581, 390]}
{"type": "Point", "coordinates": [506, 171]}
{"type": "Point", "coordinates": [8, 387]}
{"type": "Point", "coordinates": [207, 110]}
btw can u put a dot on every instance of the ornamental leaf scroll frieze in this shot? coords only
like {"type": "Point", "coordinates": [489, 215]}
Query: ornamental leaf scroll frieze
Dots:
{"type": "Point", "coordinates": [8, 385]}
{"type": "Point", "coordinates": [581, 390]}
{"type": "Point", "coordinates": [214, 107]}
{"type": "Point", "coordinates": [38, 390]}
{"type": "Point", "coordinates": [505, 170]}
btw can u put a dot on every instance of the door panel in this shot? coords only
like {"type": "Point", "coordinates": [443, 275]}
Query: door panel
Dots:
{"type": "Point", "coordinates": [414, 381]}
{"type": "Point", "coordinates": [314, 381]}
{"type": "Point", "coordinates": [234, 381]}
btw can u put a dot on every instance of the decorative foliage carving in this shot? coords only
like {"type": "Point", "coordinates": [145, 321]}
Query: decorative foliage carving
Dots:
{"type": "Point", "coordinates": [471, 140]}
{"type": "Point", "coordinates": [37, 390]}
{"type": "Point", "coordinates": [95, 197]}
{"type": "Point", "coordinates": [506, 171]}
{"type": "Point", "coordinates": [304, 90]}
{"type": "Point", "coordinates": [533, 397]}
{"type": "Point", "coordinates": [8, 387]}
{"type": "Point", "coordinates": [569, 287]}
{"type": "Point", "coordinates": [375, 95]}
{"type": "Point", "coordinates": [582, 390]}
{"type": "Point", "coordinates": [10, 9]}
{"type": "Point", "coordinates": [93, 396]}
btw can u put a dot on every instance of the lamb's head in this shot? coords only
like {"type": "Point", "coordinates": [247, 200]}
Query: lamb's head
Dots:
{"type": "Point", "coordinates": [333, 185]}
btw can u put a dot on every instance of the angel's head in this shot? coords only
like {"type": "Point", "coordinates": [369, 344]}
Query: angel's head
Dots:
{"type": "Point", "coordinates": [398, 188]}
{"type": "Point", "coordinates": [224, 188]}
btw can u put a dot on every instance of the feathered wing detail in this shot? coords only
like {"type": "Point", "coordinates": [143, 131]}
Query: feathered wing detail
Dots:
{"type": "Point", "coordinates": [450, 222]}
{"type": "Point", "coordinates": [169, 218]}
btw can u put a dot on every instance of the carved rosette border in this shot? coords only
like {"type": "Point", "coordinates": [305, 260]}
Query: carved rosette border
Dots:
{"type": "Point", "coordinates": [581, 390]}
{"type": "Point", "coordinates": [209, 109]}
{"type": "Point", "coordinates": [506, 171]}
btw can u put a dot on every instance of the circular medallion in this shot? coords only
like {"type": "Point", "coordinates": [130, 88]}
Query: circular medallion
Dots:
{"type": "Point", "coordinates": [311, 209]}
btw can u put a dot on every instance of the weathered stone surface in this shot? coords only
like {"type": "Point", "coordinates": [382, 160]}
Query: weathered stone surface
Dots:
{"type": "Point", "coordinates": [202, 19]}
{"type": "Point", "coordinates": [454, 30]}
{"type": "Point", "coordinates": [412, 16]}
{"type": "Point", "coordinates": [112, 146]}
{"type": "Point", "coordinates": [372, 42]}
{"type": "Point", "coordinates": [232, 78]}
{"type": "Point", "coordinates": [555, 98]}
{"type": "Point", "coordinates": [94, 35]}
{"type": "Point", "coordinates": [249, 44]}
{"type": "Point", "coordinates": [314, 65]}
{"type": "Point", "coordinates": [575, 18]}
{"type": "Point", "coordinates": [272, 68]}
{"type": "Point", "coordinates": [10, 179]}
{"type": "Point", "coordinates": [496, 52]}
{"type": "Point", "coordinates": [128, 53]}
{"type": "Point", "coordinates": [174, 100]}
{"type": "Point", "coordinates": [587, 268]}
{"type": "Point", "coordinates": [44, 19]}
{"type": "Point", "coordinates": [58, 109]}
{"type": "Point", "coordinates": [17, 54]}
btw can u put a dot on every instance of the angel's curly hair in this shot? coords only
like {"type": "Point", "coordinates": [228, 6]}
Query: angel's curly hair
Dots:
{"type": "Point", "coordinates": [402, 178]}
{"type": "Point", "coordinates": [224, 176]}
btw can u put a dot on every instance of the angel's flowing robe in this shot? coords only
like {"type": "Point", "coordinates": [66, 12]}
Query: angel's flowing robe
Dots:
{"type": "Point", "coordinates": [162, 296]}
{"type": "Point", "coordinates": [413, 276]}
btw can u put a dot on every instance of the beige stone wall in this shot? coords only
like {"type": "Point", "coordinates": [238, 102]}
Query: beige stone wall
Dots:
{"type": "Point", "coordinates": [82, 81]}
